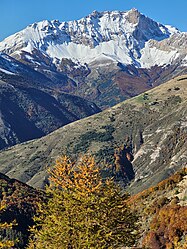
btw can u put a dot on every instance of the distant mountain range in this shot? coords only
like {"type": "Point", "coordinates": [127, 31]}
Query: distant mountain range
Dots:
{"type": "Point", "coordinates": [105, 57]}
{"type": "Point", "coordinates": [127, 37]}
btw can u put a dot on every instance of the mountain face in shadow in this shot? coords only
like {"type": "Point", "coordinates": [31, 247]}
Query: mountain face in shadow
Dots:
{"type": "Point", "coordinates": [30, 108]}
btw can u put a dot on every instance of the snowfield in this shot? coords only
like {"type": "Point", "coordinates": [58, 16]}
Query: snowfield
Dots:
{"type": "Point", "coordinates": [124, 37]}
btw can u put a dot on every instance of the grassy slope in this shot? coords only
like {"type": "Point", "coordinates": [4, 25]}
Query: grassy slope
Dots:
{"type": "Point", "coordinates": [154, 124]}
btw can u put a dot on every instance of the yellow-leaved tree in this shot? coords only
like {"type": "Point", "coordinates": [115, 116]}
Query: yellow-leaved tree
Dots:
{"type": "Point", "coordinates": [83, 211]}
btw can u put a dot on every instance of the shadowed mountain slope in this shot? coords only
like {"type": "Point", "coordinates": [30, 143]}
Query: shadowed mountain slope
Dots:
{"type": "Point", "coordinates": [30, 107]}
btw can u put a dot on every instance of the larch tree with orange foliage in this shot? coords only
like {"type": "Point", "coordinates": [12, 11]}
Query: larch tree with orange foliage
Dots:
{"type": "Point", "coordinates": [83, 211]}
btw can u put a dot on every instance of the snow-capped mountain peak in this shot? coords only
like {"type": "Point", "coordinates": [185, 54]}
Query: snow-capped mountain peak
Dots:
{"type": "Point", "coordinates": [118, 36]}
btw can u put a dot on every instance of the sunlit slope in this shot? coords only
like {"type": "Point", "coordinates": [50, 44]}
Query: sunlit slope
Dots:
{"type": "Point", "coordinates": [153, 125]}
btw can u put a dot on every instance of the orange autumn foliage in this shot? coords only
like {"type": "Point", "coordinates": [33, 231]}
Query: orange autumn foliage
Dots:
{"type": "Point", "coordinates": [167, 228]}
{"type": "Point", "coordinates": [83, 211]}
{"type": "Point", "coordinates": [66, 175]}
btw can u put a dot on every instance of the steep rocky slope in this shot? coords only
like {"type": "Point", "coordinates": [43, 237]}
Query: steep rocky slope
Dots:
{"type": "Point", "coordinates": [152, 126]}
{"type": "Point", "coordinates": [30, 108]}
{"type": "Point", "coordinates": [105, 57]}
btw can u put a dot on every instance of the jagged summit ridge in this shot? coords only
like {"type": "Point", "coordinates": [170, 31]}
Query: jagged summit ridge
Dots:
{"type": "Point", "coordinates": [117, 36]}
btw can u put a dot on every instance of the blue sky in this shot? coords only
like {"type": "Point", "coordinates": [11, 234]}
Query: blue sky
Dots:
{"type": "Point", "coordinates": [17, 14]}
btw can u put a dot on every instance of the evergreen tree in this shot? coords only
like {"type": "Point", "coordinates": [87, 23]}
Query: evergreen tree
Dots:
{"type": "Point", "coordinates": [83, 211]}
